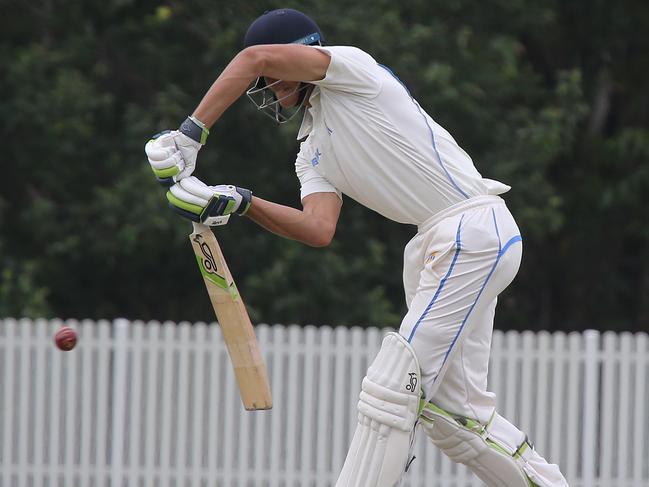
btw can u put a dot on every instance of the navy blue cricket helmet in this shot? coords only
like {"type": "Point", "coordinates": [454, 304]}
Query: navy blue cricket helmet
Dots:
{"type": "Point", "coordinates": [283, 26]}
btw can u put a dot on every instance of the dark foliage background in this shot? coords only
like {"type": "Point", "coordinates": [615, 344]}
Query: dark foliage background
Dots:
{"type": "Point", "coordinates": [549, 96]}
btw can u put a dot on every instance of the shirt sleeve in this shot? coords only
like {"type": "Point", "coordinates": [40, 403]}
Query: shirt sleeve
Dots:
{"type": "Point", "coordinates": [351, 70]}
{"type": "Point", "coordinates": [310, 180]}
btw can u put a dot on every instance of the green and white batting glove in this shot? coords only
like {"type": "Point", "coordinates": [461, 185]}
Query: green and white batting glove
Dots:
{"type": "Point", "coordinates": [166, 160]}
{"type": "Point", "coordinates": [190, 137]}
{"type": "Point", "coordinates": [172, 154]}
{"type": "Point", "coordinates": [211, 205]}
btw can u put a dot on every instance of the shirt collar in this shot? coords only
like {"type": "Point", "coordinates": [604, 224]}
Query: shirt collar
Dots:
{"type": "Point", "coordinates": [307, 120]}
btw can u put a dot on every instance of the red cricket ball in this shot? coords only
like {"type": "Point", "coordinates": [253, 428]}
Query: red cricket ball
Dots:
{"type": "Point", "coordinates": [65, 339]}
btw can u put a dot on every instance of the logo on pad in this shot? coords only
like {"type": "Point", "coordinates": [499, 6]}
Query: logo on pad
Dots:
{"type": "Point", "coordinates": [413, 382]}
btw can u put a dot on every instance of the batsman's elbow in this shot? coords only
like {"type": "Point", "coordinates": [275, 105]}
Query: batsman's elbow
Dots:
{"type": "Point", "coordinates": [250, 62]}
{"type": "Point", "coordinates": [323, 238]}
{"type": "Point", "coordinates": [320, 243]}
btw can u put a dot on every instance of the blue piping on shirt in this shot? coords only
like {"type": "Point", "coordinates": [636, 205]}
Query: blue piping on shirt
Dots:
{"type": "Point", "coordinates": [432, 134]}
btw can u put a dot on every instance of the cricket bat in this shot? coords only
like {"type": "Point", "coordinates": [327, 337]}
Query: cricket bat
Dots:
{"type": "Point", "coordinates": [237, 330]}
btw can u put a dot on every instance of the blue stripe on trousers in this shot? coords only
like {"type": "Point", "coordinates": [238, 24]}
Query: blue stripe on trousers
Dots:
{"type": "Point", "coordinates": [458, 247]}
{"type": "Point", "coordinates": [501, 252]}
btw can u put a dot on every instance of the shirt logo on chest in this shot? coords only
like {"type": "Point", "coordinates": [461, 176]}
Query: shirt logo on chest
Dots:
{"type": "Point", "coordinates": [316, 159]}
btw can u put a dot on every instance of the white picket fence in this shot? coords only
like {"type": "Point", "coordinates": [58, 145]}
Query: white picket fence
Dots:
{"type": "Point", "coordinates": [155, 405]}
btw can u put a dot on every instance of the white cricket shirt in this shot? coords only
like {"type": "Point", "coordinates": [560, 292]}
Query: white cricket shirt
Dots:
{"type": "Point", "coordinates": [369, 139]}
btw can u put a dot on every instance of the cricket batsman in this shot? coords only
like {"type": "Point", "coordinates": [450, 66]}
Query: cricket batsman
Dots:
{"type": "Point", "coordinates": [365, 136]}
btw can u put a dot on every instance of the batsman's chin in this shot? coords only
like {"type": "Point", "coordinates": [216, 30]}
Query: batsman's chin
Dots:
{"type": "Point", "coordinates": [288, 103]}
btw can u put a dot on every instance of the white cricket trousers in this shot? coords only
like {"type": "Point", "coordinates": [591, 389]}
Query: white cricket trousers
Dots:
{"type": "Point", "coordinates": [454, 269]}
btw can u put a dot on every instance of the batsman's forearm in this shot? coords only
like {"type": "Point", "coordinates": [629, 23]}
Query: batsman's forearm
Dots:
{"type": "Point", "coordinates": [291, 223]}
{"type": "Point", "coordinates": [229, 86]}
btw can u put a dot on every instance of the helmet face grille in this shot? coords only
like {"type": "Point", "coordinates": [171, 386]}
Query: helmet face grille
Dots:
{"type": "Point", "coordinates": [263, 98]}
{"type": "Point", "coordinates": [283, 26]}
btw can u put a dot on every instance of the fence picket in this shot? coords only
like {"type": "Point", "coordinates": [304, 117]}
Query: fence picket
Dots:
{"type": "Point", "coordinates": [262, 419]}
{"type": "Point", "coordinates": [541, 393]}
{"type": "Point", "coordinates": [589, 416]}
{"type": "Point", "coordinates": [293, 409]}
{"type": "Point", "coordinates": [339, 397]}
{"type": "Point", "coordinates": [557, 436]}
{"type": "Point", "coordinates": [87, 348]}
{"type": "Point", "coordinates": [55, 423]}
{"type": "Point", "coordinates": [640, 453]}
{"type": "Point", "coordinates": [39, 378]}
{"type": "Point", "coordinates": [624, 425]}
{"type": "Point", "coordinates": [70, 410]}
{"type": "Point", "coordinates": [168, 399]}
{"type": "Point", "coordinates": [608, 446]}
{"type": "Point", "coordinates": [306, 445]}
{"type": "Point", "coordinates": [23, 405]}
{"type": "Point", "coordinates": [151, 399]}
{"type": "Point", "coordinates": [215, 403]}
{"type": "Point", "coordinates": [182, 398]}
{"type": "Point", "coordinates": [198, 411]}
{"type": "Point", "coordinates": [528, 347]}
{"type": "Point", "coordinates": [277, 383]}
{"type": "Point", "coordinates": [134, 405]}
{"type": "Point", "coordinates": [324, 406]}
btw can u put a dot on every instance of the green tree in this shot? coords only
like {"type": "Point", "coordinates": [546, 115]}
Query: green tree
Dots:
{"type": "Point", "coordinates": [546, 96]}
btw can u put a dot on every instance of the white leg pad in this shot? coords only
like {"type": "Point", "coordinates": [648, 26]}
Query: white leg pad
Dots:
{"type": "Point", "coordinates": [498, 453]}
{"type": "Point", "coordinates": [387, 412]}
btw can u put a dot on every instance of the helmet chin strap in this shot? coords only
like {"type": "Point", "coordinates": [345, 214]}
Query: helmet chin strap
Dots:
{"type": "Point", "coordinates": [267, 103]}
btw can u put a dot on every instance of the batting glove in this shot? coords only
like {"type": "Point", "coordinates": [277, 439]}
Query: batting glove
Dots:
{"type": "Point", "coordinates": [189, 138]}
{"type": "Point", "coordinates": [166, 160]}
{"type": "Point", "coordinates": [211, 205]}
{"type": "Point", "coordinates": [172, 154]}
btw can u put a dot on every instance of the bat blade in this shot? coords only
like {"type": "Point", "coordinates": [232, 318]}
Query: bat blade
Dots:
{"type": "Point", "coordinates": [238, 332]}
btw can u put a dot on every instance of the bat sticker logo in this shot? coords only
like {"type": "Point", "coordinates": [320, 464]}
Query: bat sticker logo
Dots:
{"type": "Point", "coordinates": [210, 270]}
{"type": "Point", "coordinates": [209, 264]}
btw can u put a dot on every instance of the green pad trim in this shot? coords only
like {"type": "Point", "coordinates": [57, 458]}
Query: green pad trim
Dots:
{"type": "Point", "coordinates": [467, 423]}
{"type": "Point", "coordinates": [480, 429]}
{"type": "Point", "coordinates": [177, 202]}
{"type": "Point", "coordinates": [166, 173]}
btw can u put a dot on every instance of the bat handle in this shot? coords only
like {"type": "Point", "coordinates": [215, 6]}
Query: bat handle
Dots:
{"type": "Point", "coordinates": [199, 227]}
{"type": "Point", "coordinates": [214, 221]}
